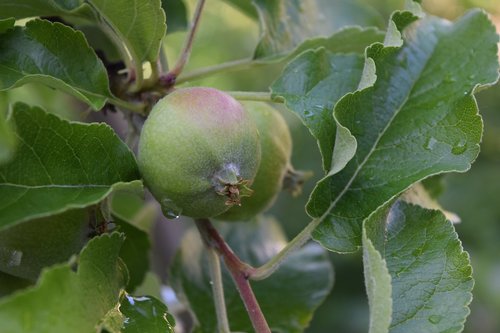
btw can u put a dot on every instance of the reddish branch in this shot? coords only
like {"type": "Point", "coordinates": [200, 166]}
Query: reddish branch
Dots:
{"type": "Point", "coordinates": [240, 272]}
{"type": "Point", "coordinates": [168, 79]}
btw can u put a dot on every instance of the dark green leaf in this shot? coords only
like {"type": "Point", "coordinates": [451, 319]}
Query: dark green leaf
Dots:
{"type": "Point", "coordinates": [434, 186]}
{"type": "Point", "coordinates": [69, 301]}
{"type": "Point", "coordinates": [418, 119]}
{"type": "Point", "coordinates": [305, 278]}
{"type": "Point", "coordinates": [286, 24]}
{"type": "Point", "coordinates": [135, 252]}
{"type": "Point", "coordinates": [9, 284]}
{"type": "Point", "coordinates": [29, 247]}
{"type": "Point", "coordinates": [347, 40]}
{"type": "Point", "coordinates": [176, 13]}
{"type": "Point", "coordinates": [30, 8]}
{"type": "Point", "coordinates": [245, 6]}
{"type": "Point", "coordinates": [430, 275]}
{"type": "Point", "coordinates": [6, 24]}
{"type": "Point", "coordinates": [100, 42]}
{"type": "Point", "coordinates": [55, 55]}
{"type": "Point", "coordinates": [60, 165]}
{"type": "Point", "coordinates": [145, 314]}
{"type": "Point", "coordinates": [128, 204]}
{"type": "Point", "coordinates": [140, 24]}
{"type": "Point", "coordinates": [312, 84]}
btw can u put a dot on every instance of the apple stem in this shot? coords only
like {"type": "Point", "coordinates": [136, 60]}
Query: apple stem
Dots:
{"type": "Point", "coordinates": [264, 271]}
{"type": "Point", "coordinates": [217, 287]}
{"type": "Point", "coordinates": [170, 78]}
{"type": "Point", "coordinates": [234, 65]}
{"type": "Point", "coordinates": [254, 96]}
{"type": "Point", "coordinates": [240, 272]}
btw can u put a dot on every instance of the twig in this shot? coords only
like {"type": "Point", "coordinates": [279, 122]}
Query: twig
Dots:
{"type": "Point", "coordinates": [253, 96]}
{"type": "Point", "coordinates": [137, 108]}
{"type": "Point", "coordinates": [170, 78]}
{"type": "Point", "coordinates": [273, 264]}
{"type": "Point", "coordinates": [239, 272]}
{"type": "Point", "coordinates": [217, 286]}
{"type": "Point", "coordinates": [234, 65]}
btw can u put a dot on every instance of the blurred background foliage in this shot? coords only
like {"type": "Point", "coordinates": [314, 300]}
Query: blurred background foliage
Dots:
{"type": "Point", "coordinates": [227, 34]}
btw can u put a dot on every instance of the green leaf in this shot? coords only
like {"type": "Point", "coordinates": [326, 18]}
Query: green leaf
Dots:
{"type": "Point", "coordinates": [286, 24]}
{"type": "Point", "coordinates": [305, 278]}
{"type": "Point", "coordinates": [6, 24]}
{"type": "Point", "coordinates": [128, 204]}
{"type": "Point", "coordinates": [245, 6]}
{"type": "Point", "coordinates": [67, 301]}
{"type": "Point", "coordinates": [430, 274]}
{"type": "Point", "coordinates": [29, 247]}
{"type": "Point", "coordinates": [8, 140]}
{"type": "Point", "coordinates": [60, 165]}
{"type": "Point", "coordinates": [145, 314]}
{"type": "Point", "coordinates": [347, 40]}
{"type": "Point", "coordinates": [377, 277]}
{"type": "Point", "coordinates": [55, 55]}
{"type": "Point", "coordinates": [176, 13]}
{"type": "Point", "coordinates": [418, 119]}
{"type": "Point", "coordinates": [312, 84]}
{"type": "Point", "coordinates": [135, 253]}
{"type": "Point", "coordinates": [30, 8]}
{"type": "Point", "coordinates": [140, 24]}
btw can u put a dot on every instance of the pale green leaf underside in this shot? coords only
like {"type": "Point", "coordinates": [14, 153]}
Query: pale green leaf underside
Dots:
{"type": "Point", "coordinates": [305, 278]}
{"type": "Point", "coordinates": [68, 301]}
{"type": "Point", "coordinates": [430, 274]}
{"type": "Point", "coordinates": [286, 24]}
{"type": "Point", "coordinates": [55, 55]}
{"type": "Point", "coordinates": [60, 165]}
{"type": "Point", "coordinates": [7, 140]}
{"type": "Point", "coordinates": [418, 119]}
{"type": "Point", "coordinates": [377, 280]}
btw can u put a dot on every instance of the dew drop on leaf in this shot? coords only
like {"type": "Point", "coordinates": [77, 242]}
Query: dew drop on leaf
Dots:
{"type": "Point", "coordinates": [435, 319]}
{"type": "Point", "coordinates": [459, 148]}
{"type": "Point", "coordinates": [430, 143]}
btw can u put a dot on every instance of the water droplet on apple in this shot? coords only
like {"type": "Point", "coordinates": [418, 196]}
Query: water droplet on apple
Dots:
{"type": "Point", "coordinates": [170, 209]}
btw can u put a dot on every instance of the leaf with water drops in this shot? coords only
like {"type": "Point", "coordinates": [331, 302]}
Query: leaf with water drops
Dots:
{"type": "Point", "coordinates": [145, 314]}
{"type": "Point", "coordinates": [422, 277]}
{"type": "Point", "coordinates": [305, 278]}
{"type": "Point", "coordinates": [312, 84]}
{"type": "Point", "coordinates": [69, 299]}
{"type": "Point", "coordinates": [417, 118]}
{"type": "Point", "coordinates": [60, 165]}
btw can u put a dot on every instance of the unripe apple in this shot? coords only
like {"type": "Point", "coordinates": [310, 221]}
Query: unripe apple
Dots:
{"type": "Point", "coordinates": [276, 145]}
{"type": "Point", "coordinates": [198, 152]}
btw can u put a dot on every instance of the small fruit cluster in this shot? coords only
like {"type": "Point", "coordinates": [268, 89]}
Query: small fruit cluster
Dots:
{"type": "Point", "coordinates": [203, 154]}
